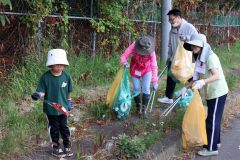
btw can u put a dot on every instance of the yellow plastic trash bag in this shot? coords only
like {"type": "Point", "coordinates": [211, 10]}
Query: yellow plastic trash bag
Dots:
{"type": "Point", "coordinates": [182, 67]}
{"type": "Point", "coordinates": [193, 125]}
{"type": "Point", "coordinates": [114, 88]}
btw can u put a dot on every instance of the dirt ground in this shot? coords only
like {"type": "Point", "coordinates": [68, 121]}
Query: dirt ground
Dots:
{"type": "Point", "coordinates": [92, 140]}
{"type": "Point", "coordinates": [95, 139]}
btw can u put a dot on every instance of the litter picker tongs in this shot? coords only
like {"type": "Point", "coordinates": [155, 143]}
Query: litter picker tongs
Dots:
{"type": "Point", "coordinates": [164, 69]}
{"type": "Point", "coordinates": [152, 95]}
{"type": "Point", "coordinates": [170, 108]}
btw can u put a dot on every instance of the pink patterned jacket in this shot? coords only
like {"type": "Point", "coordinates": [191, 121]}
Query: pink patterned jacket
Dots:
{"type": "Point", "coordinates": [140, 64]}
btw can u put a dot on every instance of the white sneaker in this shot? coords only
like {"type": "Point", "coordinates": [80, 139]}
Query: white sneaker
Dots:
{"type": "Point", "coordinates": [205, 152]}
{"type": "Point", "coordinates": [165, 100]}
{"type": "Point", "coordinates": [219, 145]}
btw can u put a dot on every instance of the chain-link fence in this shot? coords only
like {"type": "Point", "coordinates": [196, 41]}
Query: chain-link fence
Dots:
{"type": "Point", "coordinates": [144, 14]}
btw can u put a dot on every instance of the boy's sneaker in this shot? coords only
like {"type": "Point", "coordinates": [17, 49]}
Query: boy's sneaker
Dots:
{"type": "Point", "coordinates": [165, 100]}
{"type": "Point", "coordinates": [206, 152]}
{"type": "Point", "coordinates": [57, 152]}
{"type": "Point", "coordinates": [219, 145]}
{"type": "Point", "coordinates": [68, 152]}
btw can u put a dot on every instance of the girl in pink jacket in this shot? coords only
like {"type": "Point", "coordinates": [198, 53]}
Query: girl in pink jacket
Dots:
{"type": "Point", "coordinates": [143, 66]}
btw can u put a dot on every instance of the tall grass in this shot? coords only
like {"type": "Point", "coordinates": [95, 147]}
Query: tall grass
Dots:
{"type": "Point", "coordinates": [87, 71]}
{"type": "Point", "coordinates": [229, 60]}
{"type": "Point", "coordinates": [21, 127]}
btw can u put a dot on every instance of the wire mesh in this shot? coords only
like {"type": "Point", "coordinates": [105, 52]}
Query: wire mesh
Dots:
{"type": "Point", "coordinates": [145, 14]}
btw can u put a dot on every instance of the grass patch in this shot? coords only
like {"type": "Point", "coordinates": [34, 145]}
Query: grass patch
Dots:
{"type": "Point", "coordinates": [152, 137]}
{"type": "Point", "coordinates": [86, 71]}
{"type": "Point", "coordinates": [232, 81]}
{"type": "Point", "coordinates": [229, 60]}
{"type": "Point", "coordinates": [175, 121]}
{"type": "Point", "coordinates": [21, 128]}
{"type": "Point", "coordinates": [101, 111]}
{"type": "Point", "coordinates": [130, 147]}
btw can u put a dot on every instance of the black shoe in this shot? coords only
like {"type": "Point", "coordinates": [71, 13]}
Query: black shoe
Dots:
{"type": "Point", "coordinates": [57, 152]}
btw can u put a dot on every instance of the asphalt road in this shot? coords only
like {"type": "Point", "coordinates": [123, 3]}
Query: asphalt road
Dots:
{"type": "Point", "coordinates": [230, 147]}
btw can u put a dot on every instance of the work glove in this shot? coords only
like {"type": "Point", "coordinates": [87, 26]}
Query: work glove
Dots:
{"type": "Point", "coordinates": [36, 96]}
{"type": "Point", "coordinates": [198, 84]}
{"type": "Point", "coordinates": [183, 92]}
{"type": "Point", "coordinates": [126, 64]}
{"type": "Point", "coordinates": [155, 86]}
{"type": "Point", "coordinates": [69, 104]}
{"type": "Point", "coordinates": [184, 38]}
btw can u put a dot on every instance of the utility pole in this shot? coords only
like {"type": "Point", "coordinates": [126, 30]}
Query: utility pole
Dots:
{"type": "Point", "coordinates": [165, 28]}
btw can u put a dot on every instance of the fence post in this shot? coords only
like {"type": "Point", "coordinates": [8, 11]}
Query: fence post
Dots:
{"type": "Point", "coordinates": [39, 37]}
{"type": "Point", "coordinates": [94, 34]}
{"type": "Point", "coordinates": [154, 19]}
{"type": "Point", "coordinates": [228, 31]}
{"type": "Point", "coordinates": [129, 33]}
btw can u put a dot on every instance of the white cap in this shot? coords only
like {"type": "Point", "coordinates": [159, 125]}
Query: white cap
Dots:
{"type": "Point", "coordinates": [57, 56]}
{"type": "Point", "coordinates": [196, 40]}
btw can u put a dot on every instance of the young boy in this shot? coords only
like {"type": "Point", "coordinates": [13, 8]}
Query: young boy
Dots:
{"type": "Point", "coordinates": [55, 86]}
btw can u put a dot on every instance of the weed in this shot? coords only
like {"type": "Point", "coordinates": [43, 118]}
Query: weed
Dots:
{"type": "Point", "coordinates": [232, 81]}
{"type": "Point", "coordinates": [78, 154]}
{"type": "Point", "coordinates": [130, 148]}
{"type": "Point", "coordinates": [101, 111]}
{"type": "Point", "coordinates": [86, 71]}
{"type": "Point", "coordinates": [99, 142]}
{"type": "Point", "coordinates": [139, 127]}
{"type": "Point", "coordinates": [175, 121]}
{"type": "Point", "coordinates": [152, 137]}
{"type": "Point", "coordinates": [20, 128]}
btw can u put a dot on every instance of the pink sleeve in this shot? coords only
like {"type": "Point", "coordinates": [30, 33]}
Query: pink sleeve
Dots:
{"type": "Point", "coordinates": [154, 68]}
{"type": "Point", "coordinates": [127, 52]}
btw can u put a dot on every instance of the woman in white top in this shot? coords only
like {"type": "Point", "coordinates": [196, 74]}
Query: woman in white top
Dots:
{"type": "Point", "coordinates": [208, 73]}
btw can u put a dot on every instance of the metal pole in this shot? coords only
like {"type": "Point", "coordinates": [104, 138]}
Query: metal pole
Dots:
{"type": "Point", "coordinates": [165, 28]}
{"type": "Point", "coordinates": [155, 25]}
{"type": "Point", "coordinates": [94, 34]}
{"type": "Point", "coordinates": [129, 33]}
{"type": "Point", "coordinates": [39, 37]}
{"type": "Point", "coordinates": [152, 17]}
{"type": "Point", "coordinates": [228, 31]}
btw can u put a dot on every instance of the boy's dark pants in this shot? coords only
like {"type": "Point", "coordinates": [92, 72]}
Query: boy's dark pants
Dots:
{"type": "Point", "coordinates": [58, 125]}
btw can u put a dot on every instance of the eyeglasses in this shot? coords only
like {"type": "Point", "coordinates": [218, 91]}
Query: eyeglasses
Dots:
{"type": "Point", "coordinates": [172, 19]}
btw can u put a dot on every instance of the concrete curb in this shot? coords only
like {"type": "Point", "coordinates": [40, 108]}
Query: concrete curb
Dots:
{"type": "Point", "coordinates": [165, 148]}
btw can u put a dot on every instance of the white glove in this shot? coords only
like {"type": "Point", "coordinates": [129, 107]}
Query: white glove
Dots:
{"type": "Point", "coordinates": [155, 86]}
{"type": "Point", "coordinates": [184, 38]}
{"type": "Point", "coordinates": [126, 65]}
{"type": "Point", "coordinates": [183, 92]}
{"type": "Point", "coordinates": [198, 84]}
